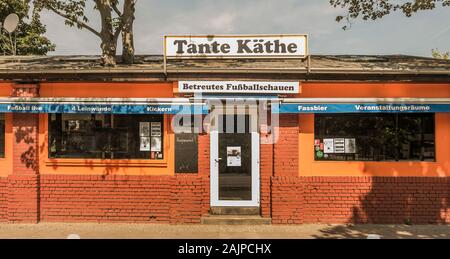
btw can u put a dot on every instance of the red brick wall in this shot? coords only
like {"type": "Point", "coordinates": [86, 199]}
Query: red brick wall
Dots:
{"type": "Point", "coordinates": [187, 199]}
{"type": "Point", "coordinates": [154, 199]}
{"type": "Point", "coordinates": [3, 198]}
{"type": "Point", "coordinates": [378, 200]}
{"type": "Point", "coordinates": [105, 198]}
{"type": "Point", "coordinates": [204, 169]}
{"type": "Point", "coordinates": [287, 200]}
{"type": "Point", "coordinates": [266, 172]}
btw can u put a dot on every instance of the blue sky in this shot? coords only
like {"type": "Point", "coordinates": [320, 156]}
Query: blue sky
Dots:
{"type": "Point", "coordinates": [394, 34]}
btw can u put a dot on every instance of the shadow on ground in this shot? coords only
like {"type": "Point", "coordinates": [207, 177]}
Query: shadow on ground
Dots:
{"type": "Point", "coordinates": [385, 231]}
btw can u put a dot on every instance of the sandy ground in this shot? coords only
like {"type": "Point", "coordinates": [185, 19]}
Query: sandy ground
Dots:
{"type": "Point", "coordinates": [148, 231]}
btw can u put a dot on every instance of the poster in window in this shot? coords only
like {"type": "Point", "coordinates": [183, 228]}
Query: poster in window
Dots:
{"type": "Point", "coordinates": [339, 145]}
{"type": "Point", "coordinates": [328, 145]}
{"type": "Point", "coordinates": [233, 156]}
{"type": "Point", "coordinates": [155, 144]}
{"type": "Point", "coordinates": [350, 145]}
{"type": "Point", "coordinates": [156, 129]}
{"type": "Point", "coordinates": [144, 129]}
{"type": "Point", "coordinates": [145, 144]}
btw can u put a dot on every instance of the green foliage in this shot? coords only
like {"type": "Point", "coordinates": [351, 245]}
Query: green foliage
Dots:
{"type": "Point", "coordinates": [30, 32]}
{"type": "Point", "coordinates": [435, 53]}
{"type": "Point", "coordinates": [376, 9]}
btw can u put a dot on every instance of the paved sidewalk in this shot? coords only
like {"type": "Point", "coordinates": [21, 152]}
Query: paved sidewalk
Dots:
{"type": "Point", "coordinates": [94, 230]}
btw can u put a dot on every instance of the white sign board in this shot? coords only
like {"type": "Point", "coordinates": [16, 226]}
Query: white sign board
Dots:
{"type": "Point", "coordinates": [236, 46]}
{"type": "Point", "coordinates": [248, 87]}
{"type": "Point", "coordinates": [234, 156]}
{"type": "Point", "coordinates": [350, 145]}
{"type": "Point", "coordinates": [328, 145]}
{"type": "Point", "coordinates": [339, 145]}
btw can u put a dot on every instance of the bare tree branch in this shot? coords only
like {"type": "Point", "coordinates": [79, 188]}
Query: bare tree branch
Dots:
{"type": "Point", "coordinates": [116, 9]}
{"type": "Point", "coordinates": [80, 23]}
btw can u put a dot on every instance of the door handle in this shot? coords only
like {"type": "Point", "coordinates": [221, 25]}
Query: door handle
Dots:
{"type": "Point", "coordinates": [218, 159]}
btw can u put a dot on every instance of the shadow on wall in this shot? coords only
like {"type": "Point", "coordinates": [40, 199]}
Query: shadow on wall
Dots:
{"type": "Point", "coordinates": [403, 202]}
{"type": "Point", "coordinates": [28, 157]}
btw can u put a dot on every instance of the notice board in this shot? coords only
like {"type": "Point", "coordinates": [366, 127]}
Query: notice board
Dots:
{"type": "Point", "coordinates": [186, 153]}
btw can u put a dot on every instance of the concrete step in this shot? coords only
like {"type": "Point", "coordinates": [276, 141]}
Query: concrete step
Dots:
{"type": "Point", "coordinates": [234, 211]}
{"type": "Point", "coordinates": [235, 220]}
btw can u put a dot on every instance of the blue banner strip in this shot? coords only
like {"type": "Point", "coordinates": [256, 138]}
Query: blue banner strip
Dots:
{"type": "Point", "coordinates": [103, 109]}
{"type": "Point", "coordinates": [359, 108]}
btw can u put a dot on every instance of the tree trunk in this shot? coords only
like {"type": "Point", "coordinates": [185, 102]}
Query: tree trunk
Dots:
{"type": "Point", "coordinates": [127, 32]}
{"type": "Point", "coordinates": [109, 42]}
{"type": "Point", "coordinates": [109, 47]}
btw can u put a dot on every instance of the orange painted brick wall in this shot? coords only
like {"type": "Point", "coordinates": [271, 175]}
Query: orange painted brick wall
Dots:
{"type": "Point", "coordinates": [107, 90]}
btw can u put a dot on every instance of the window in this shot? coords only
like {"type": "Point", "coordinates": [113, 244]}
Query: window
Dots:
{"type": "Point", "coordinates": [374, 137]}
{"type": "Point", "coordinates": [2, 135]}
{"type": "Point", "coordinates": [106, 136]}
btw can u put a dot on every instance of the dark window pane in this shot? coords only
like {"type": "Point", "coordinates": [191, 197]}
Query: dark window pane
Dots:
{"type": "Point", "coordinates": [374, 137]}
{"type": "Point", "coordinates": [105, 136]}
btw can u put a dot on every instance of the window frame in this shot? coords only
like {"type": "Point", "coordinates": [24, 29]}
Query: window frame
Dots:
{"type": "Point", "coordinates": [100, 162]}
{"type": "Point", "coordinates": [378, 161]}
{"type": "Point", "coordinates": [5, 125]}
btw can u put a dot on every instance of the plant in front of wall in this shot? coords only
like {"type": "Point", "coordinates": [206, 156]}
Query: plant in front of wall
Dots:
{"type": "Point", "coordinates": [29, 35]}
{"type": "Point", "coordinates": [407, 221]}
{"type": "Point", "coordinates": [374, 10]}
{"type": "Point", "coordinates": [435, 53]}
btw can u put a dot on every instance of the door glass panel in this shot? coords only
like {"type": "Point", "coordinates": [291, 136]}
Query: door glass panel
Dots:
{"type": "Point", "coordinates": [235, 157]}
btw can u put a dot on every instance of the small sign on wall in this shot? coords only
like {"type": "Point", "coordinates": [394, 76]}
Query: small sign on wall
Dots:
{"type": "Point", "coordinates": [235, 46]}
{"type": "Point", "coordinates": [186, 153]}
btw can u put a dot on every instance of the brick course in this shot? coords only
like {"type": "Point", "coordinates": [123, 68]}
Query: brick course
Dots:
{"type": "Point", "coordinates": [377, 200]}
{"type": "Point", "coordinates": [3, 198]}
{"type": "Point", "coordinates": [178, 199]}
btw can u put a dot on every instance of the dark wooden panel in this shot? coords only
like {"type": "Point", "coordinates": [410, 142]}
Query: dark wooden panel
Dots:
{"type": "Point", "coordinates": [186, 153]}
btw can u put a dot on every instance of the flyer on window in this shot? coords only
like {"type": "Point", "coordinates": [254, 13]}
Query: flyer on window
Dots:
{"type": "Point", "coordinates": [339, 145]}
{"type": "Point", "coordinates": [156, 129]}
{"type": "Point", "coordinates": [350, 145]}
{"type": "Point", "coordinates": [145, 144]}
{"type": "Point", "coordinates": [234, 156]}
{"type": "Point", "coordinates": [328, 145]}
{"type": "Point", "coordinates": [144, 129]}
{"type": "Point", "coordinates": [156, 144]}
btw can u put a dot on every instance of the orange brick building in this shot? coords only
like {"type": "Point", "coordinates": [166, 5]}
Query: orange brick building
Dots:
{"type": "Point", "coordinates": [69, 156]}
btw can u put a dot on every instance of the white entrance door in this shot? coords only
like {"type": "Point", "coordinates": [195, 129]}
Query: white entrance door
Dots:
{"type": "Point", "coordinates": [234, 155]}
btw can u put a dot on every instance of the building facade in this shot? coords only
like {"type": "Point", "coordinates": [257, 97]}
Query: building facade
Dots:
{"type": "Point", "coordinates": [352, 139]}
